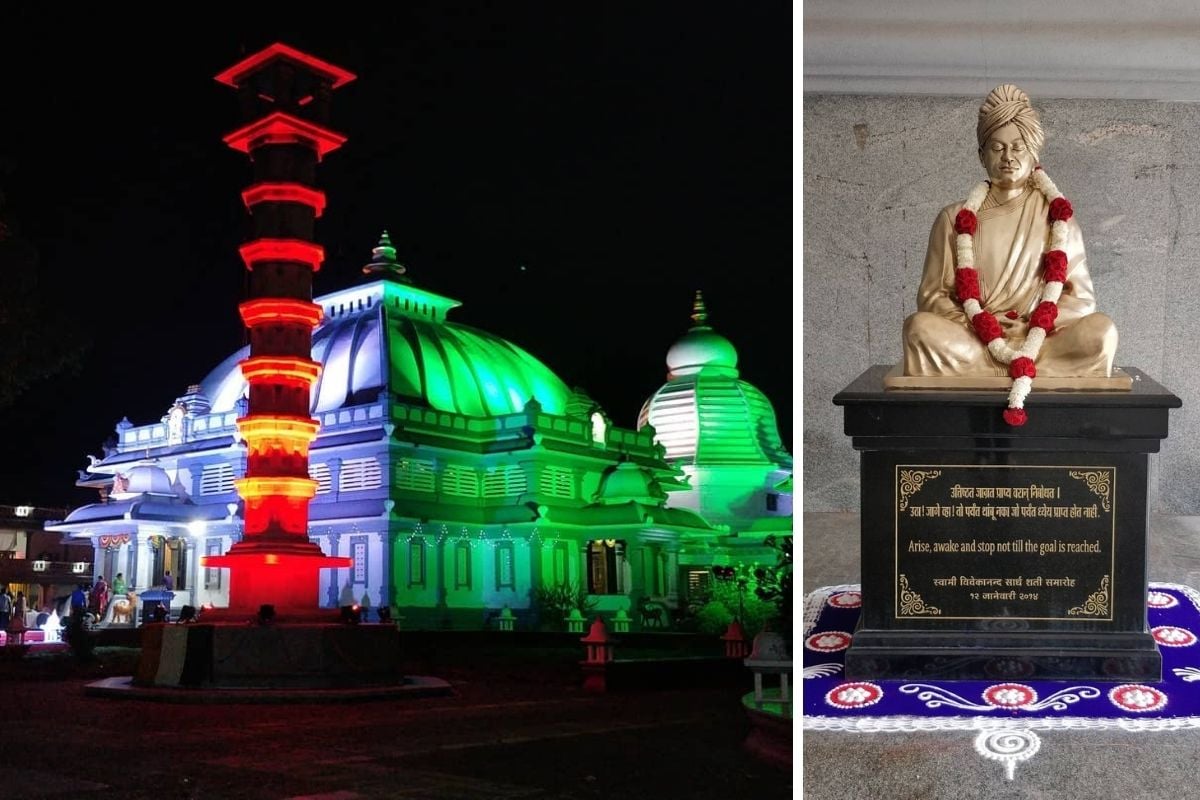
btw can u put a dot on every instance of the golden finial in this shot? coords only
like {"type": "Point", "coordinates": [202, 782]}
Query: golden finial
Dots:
{"type": "Point", "coordinates": [383, 261]}
{"type": "Point", "coordinates": [699, 312]}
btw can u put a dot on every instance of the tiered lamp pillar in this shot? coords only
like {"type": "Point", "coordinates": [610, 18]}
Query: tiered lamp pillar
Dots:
{"type": "Point", "coordinates": [285, 94]}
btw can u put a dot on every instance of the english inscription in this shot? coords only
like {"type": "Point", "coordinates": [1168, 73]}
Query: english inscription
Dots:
{"type": "Point", "coordinates": [1025, 542]}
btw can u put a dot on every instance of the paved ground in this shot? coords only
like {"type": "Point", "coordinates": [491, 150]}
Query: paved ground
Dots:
{"type": "Point", "coordinates": [944, 765]}
{"type": "Point", "coordinates": [517, 739]}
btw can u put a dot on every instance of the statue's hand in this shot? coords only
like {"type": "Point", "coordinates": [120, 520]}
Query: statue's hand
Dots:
{"type": "Point", "coordinates": [1013, 328]}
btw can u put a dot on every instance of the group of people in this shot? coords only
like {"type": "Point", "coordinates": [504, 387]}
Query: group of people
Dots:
{"type": "Point", "coordinates": [96, 599]}
{"type": "Point", "coordinates": [12, 611]}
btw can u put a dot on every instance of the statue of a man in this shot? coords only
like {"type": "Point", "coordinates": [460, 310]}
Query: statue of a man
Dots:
{"type": "Point", "coordinates": [1006, 289]}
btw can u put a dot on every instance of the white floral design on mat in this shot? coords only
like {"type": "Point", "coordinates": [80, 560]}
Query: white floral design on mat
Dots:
{"type": "Point", "coordinates": [1188, 674]}
{"type": "Point", "coordinates": [1171, 636]}
{"type": "Point", "coordinates": [1161, 600]}
{"type": "Point", "coordinates": [850, 696]}
{"type": "Point", "coordinates": [1009, 695]}
{"type": "Point", "coordinates": [1001, 696]}
{"type": "Point", "coordinates": [1137, 698]}
{"type": "Point", "coordinates": [1008, 747]}
{"type": "Point", "coordinates": [822, 670]}
{"type": "Point", "coordinates": [846, 600]}
{"type": "Point", "coordinates": [829, 641]}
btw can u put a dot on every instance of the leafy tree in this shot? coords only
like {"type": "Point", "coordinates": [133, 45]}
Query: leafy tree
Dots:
{"type": "Point", "coordinates": [775, 583]}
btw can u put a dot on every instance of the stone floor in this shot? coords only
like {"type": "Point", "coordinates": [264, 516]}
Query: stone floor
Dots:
{"type": "Point", "coordinates": [936, 765]}
{"type": "Point", "coordinates": [534, 736]}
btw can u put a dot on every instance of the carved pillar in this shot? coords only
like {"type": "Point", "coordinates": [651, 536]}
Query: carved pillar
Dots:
{"type": "Point", "coordinates": [386, 589]}
{"type": "Point", "coordinates": [335, 478]}
{"type": "Point", "coordinates": [335, 575]}
{"type": "Point", "coordinates": [193, 568]}
{"type": "Point", "coordinates": [671, 578]}
{"type": "Point", "coordinates": [535, 567]}
{"type": "Point", "coordinates": [131, 575]}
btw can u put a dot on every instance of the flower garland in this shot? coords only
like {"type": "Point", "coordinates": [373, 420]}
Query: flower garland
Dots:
{"type": "Point", "coordinates": [1041, 322]}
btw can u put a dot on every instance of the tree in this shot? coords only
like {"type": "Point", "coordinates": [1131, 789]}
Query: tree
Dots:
{"type": "Point", "coordinates": [775, 582]}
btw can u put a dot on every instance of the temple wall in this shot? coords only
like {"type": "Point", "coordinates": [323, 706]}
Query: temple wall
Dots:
{"type": "Point", "coordinates": [876, 171]}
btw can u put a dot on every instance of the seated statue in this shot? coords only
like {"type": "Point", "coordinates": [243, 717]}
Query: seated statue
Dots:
{"type": "Point", "coordinates": [1006, 290]}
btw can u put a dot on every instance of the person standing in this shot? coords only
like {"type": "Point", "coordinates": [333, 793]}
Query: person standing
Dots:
{"type": "Point", "coordinates": [168, 581]}
{"type": "Point", "coordinates": [5, 608]}
{"type": "Point", "coordinates": [100, 596]}
{"type": "Point", "coordinates": [78, 601]}
{"type": "Point", "coordinates": [118, 584]}
{"type": "Point", "coordinates": [19, 607]}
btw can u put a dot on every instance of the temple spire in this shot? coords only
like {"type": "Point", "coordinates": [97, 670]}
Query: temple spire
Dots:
{"type": "Point", "coordinates": [383, 261]}
{"type": "Point", "coordinates": [699, 311]}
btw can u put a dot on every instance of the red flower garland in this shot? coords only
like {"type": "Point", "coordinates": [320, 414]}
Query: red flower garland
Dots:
{"type": "Point", "coordinates": [987, 327]}
{"type": "Point", "coordinates": [1022, 367]}
{"type": "Point", "coordinates": [1044, 315]}
{"type": "Point", "coordinates": [966, 222]}
{"type": "Point", "coordinates": [966, 284]}
{"type": "Point", "coordinates": [1054, 266]}
{"type": "Point", "coordinates": [1060, 209]}
{"type": "Point", "coordinates": [1015, 417]}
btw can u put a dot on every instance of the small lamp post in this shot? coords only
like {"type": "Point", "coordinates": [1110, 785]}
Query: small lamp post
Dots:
{"type": "Point", "coordinates": [735, 641]}
{"type": "Point", "coordinates": [599, 653]}
{"type": "Point", "coordinates": [506, 619]}
{"type": "Point", "coordinates": [575, 621]}
{"type": "Point", "coordinates": [770, 657]}
{"type": "Point", "coordinates": [621, 621]}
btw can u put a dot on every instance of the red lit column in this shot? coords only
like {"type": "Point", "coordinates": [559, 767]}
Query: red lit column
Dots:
{"type": "Point", "coordinates": [286, 96]}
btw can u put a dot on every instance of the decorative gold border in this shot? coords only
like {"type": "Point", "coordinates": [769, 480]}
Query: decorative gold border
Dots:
{"type": "Point", "coordinates": [911, 481]}
{"type": "Point", "coordinates": [1099, 481]}
{"type": "Point", "coordinates": [911, 603]}
{"type": "Point", "coordinates": [1096, 605]}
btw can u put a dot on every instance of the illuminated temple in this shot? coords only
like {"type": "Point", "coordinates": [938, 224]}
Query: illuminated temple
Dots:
{"type": "Point", "coordinates": [457, 471]}
{"type": "Point", "coordinates": [454, 473]}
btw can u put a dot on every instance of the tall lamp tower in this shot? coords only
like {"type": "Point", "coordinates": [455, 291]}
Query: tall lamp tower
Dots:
{"type": "Point", "coordinates": [285, 96]}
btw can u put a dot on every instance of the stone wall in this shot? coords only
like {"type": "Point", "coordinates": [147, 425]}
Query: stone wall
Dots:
{"type": "Point", "coordinates": [876, 172]}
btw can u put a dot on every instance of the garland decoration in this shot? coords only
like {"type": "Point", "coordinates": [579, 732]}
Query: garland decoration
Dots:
{"type": "Point", "coordinates": [1021, 362]}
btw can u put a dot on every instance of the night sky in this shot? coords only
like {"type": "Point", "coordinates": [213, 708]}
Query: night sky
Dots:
{"type": "Point", "coordinates": [570, 172]}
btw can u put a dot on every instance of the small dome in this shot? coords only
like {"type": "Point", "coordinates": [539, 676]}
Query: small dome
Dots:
{"type": "Point", "coordinates": [627, 481]}
{"type": "Point", "coordinates": [704, 414]}
{"type": "Point", "coordinates": [701, 348]}
{"type": "Point", "coordinates": [142, 480]}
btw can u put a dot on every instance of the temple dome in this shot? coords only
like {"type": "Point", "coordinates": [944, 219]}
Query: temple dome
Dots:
{"type": "Point", "coordinates": [625, 482]}
{"type": "Point", "coordinates": [143, 479]}
{"type": "Point", "coordinates": [701, 348]}
{"type": "Point", "coordinates": [704, 414]}
{"type": "Point", "coordinates": [389, 335]}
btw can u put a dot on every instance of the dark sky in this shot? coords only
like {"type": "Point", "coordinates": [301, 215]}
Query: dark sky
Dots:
{"type": "Point", "coordinates": [624, 154]}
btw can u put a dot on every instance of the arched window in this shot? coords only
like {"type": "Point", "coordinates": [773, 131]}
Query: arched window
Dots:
{"type": "Point", "coordinates": [599, 428]}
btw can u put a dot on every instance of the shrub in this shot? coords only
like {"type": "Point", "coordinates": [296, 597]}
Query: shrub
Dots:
{"type": "Point", "coordinates": [713, 617]}
{"type": "Point", "coordinates": [553, 603]}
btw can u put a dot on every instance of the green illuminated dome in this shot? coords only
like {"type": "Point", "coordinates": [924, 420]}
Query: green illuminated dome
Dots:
{"type": "Point", "coordinates": [705, 414]}
{"type": "Point", "coordinates": [627, 481]}
{"type": "Point", "coordinates": [392, 335]}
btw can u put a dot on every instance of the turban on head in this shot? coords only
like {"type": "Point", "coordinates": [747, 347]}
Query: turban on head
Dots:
{"type": "Point", "coordinates": [1008, 104]}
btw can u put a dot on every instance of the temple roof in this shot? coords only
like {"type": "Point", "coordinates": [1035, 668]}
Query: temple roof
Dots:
{"type": "Point", "coordinates": [391, 335]}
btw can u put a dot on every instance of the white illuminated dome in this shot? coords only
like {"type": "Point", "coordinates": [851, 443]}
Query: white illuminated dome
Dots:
{"type": "Point", "coordinates": [704, 414]}
{"type": "Point", "coordinates": [144, 480]}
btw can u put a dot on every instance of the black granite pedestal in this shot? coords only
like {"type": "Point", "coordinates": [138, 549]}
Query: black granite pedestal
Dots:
{"type": "Point", "coordinates": [998, 553]}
